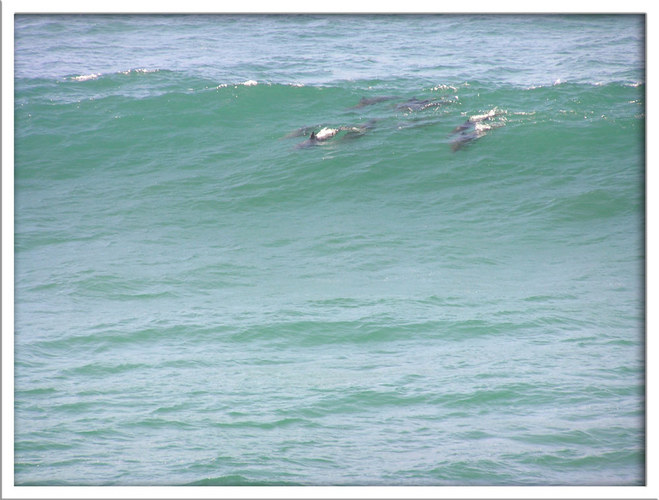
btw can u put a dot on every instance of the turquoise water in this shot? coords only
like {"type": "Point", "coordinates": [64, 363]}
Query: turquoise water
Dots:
{"type": "Point", "coordinates": [447, 291]}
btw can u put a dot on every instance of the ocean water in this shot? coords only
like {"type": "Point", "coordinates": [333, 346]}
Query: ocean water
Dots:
{"type": "Point", "coordinates": [444, 287]}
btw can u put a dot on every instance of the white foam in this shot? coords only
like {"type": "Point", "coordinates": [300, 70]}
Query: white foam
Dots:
{"type": "Point", "coordinates": [247, 83]}
{"type": "Point", "coordinates": [82, 78]}
{"type": "Point", "coordinates": [138, 70]}
{"type": "Point", "coordinates": [445, 87]}
{"type": "Point", "coordinates": [489, 114]}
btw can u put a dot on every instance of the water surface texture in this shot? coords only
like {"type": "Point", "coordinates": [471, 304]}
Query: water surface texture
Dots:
{"type": "Point", "coordinates": [442, 286]}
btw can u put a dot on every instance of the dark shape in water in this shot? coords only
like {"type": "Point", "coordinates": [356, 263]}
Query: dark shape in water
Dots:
{"type": "Point", "coordinates": [302, 131]}
{"type": "Point", "coordinates": [417, 123]}
{"type": "Point", "coordinates": [415, 104]}
{"type": "Point", "coordinates": [474, 128]}
{"type": "Point", "coordinates": [327, 133]}
{"type": "Point", "coordinates": [367, 101]}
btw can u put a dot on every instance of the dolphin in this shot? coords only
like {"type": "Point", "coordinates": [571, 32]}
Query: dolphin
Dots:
{"type": "Point", "coordinates": [463, 138]}
{"type": "Point", "coordinates": [365, 101]}
{"type": "Point", "coordinates": [409, 124]}
{"type": "Point", "coordinates": [323, 134]}
{"type": "Point", "coordinates": [356, 131]}
{"type": "Point", "coordinates": [415, 104]}
{"type": "Point", "coordinates": [327, 133]}
{"type": "Point", "coordinates": [474, 128]}
{"type": "Point", "coordinates": [300, 132]}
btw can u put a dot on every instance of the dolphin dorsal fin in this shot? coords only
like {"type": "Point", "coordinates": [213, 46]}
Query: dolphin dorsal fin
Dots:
{"type": "Point", "coordinates": [313, 135]}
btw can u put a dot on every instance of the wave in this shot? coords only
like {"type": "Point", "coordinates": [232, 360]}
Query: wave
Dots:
{"type": "Point", "coordinates": [239, 480]}
{"type": "Point", "coordinates": [84, 78]}
{"type": "Point", "coordinates": [236, 148]}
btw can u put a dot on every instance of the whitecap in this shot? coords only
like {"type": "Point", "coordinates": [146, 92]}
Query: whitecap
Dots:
{"type": "Point", "coordinates": [444, 87]}
{"type": "Point", "coordinates": [82, 78]}
{"type": "Point", "coordinates": [247, 83]}
{"type": "Point", "coordinates": [138, 70]}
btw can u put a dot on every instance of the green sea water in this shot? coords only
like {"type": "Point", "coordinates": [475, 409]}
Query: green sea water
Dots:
{"type": "Point", "coordinates": [448, 291]}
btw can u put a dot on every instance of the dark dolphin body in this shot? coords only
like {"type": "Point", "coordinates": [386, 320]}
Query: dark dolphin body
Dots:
{"type": "Point", "coordinates": [418, 123]}
{"type": "Point", "coordinates": [310, 142]}
{"type": "Point", "coordinates": [324, 134]}
{"type": "Point", "coordinates": [415, 104]}
{"type": "Point", "coordinates": [302, 131]}
{"type": "Point", "coordinates": [474, 128]}
{"type": "Point", "coordinates": [463, 138]}
{"type": "Point", "coordinates": [362, 128]}
{"type": "Point", "coordinates": [364, 101]}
